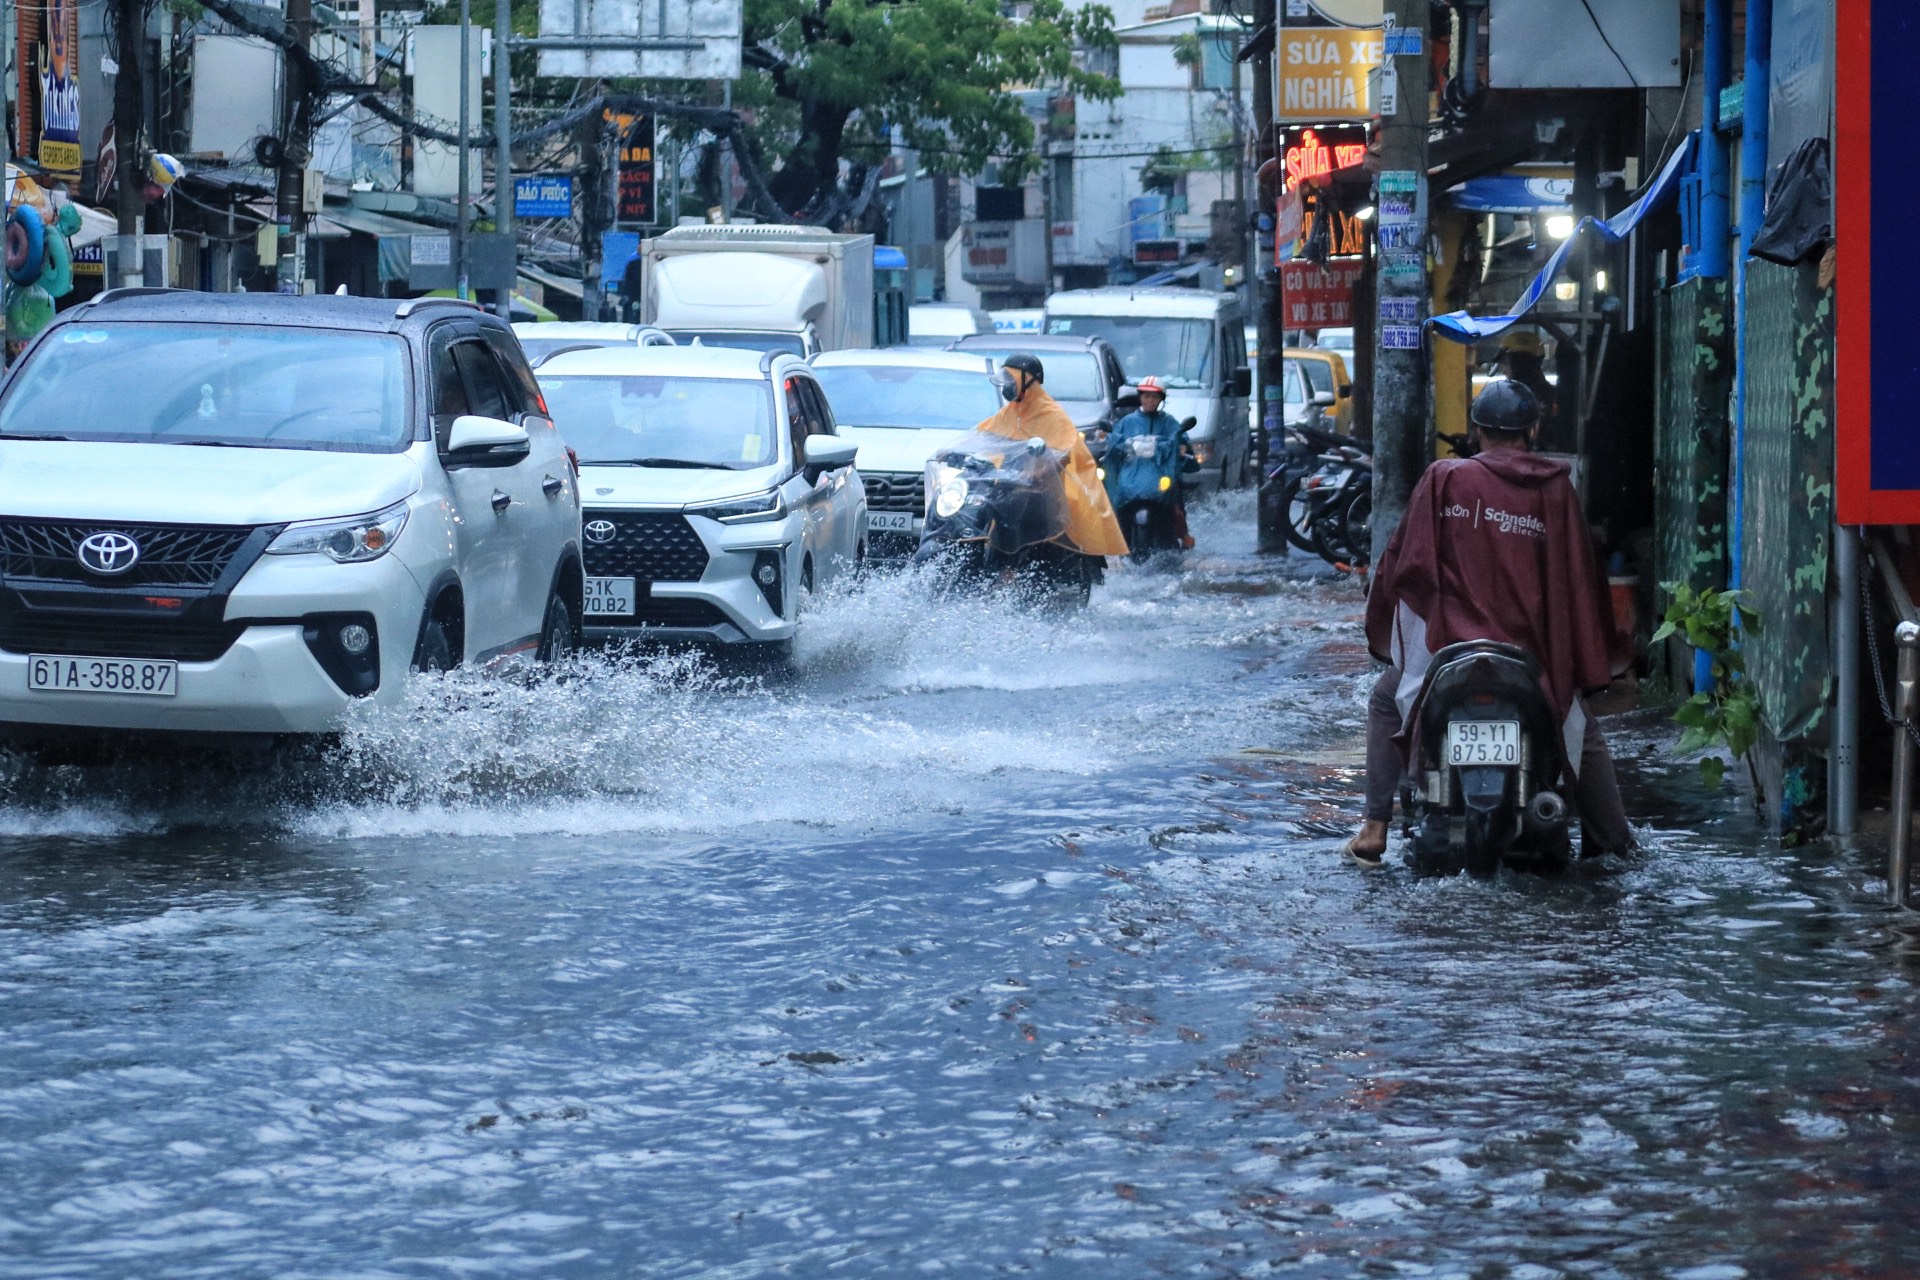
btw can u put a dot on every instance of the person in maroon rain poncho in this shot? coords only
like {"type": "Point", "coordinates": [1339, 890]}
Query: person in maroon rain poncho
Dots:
{"type": "Point", "coordinates": [1493, 547]}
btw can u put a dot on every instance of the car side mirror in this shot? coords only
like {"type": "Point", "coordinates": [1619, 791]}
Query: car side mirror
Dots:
{"type": "Point", "coordinates": [1127, 398]}
{"type": "Point", "coordinates": [474, 441]}
{"type": "Point", "coordinates": [827, 453]}
{"type": "Point", "coordinates": [1324, 399]}
{"type": "Point", "coordinates": [1240, 382]}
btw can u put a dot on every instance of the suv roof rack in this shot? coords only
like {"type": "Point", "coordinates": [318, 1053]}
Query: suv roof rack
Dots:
{"type": "Point", "coordinates": [133, 291]}
{"type": "Point", "coordinates": [410, 305]}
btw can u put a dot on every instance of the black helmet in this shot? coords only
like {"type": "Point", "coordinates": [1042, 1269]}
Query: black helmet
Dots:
{"type": "Point", "coordinates": [1506, 405]}
{"type": "Point", "coordinates": [1029, 365]}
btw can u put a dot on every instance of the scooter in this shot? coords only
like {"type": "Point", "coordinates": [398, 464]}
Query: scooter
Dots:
{"type": "Point", "coordinates": [997, 515]}
{"type": "Point", "coordinates": [1482, 767]}
{"type": "Point", "coordinates": [1143, 481]}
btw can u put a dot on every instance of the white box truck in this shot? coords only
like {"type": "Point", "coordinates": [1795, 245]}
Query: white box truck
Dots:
{"type": "Point", "coordinates": [765, 288]}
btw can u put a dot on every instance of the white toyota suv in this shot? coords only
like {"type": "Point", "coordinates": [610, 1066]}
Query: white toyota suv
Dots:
{"type": "Point", "coordinates": [242, 512]}
{"type": "Point", "coordinates": [717, 492]}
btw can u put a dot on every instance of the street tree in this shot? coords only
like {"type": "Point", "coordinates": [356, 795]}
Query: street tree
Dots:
{"type": "Point", "coordinates": [829, 78]}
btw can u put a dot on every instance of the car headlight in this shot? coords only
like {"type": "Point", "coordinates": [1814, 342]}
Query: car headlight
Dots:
{"type": "Point", "coordinates": [770, 505]}
{"type": "Point", "coordinates": [952, 496]}
{"type": "Point", "coordinates": [349, 540]}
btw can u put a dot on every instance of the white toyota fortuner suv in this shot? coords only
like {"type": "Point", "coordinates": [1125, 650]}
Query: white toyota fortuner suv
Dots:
{"type": "Point", "coordinates": [241, 513]}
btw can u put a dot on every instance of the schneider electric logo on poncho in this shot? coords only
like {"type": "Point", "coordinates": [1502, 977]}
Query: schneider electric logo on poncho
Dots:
{"type": "Point", "coordinates": [1505, 521]}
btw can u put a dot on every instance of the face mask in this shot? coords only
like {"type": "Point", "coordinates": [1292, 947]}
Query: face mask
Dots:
{"type": "Point", "coordinates": [1009, 384]}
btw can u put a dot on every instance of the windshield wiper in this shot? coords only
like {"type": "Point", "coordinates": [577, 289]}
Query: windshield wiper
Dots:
{"type": "Point", "coordinates": [211, 444]}
{"type": "Point", "coordinates": [655, 462]}
{"type": "Point", "coordinates": [23, 436]}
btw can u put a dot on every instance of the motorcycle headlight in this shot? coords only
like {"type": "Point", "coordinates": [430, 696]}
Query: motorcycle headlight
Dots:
{"type": "Point", "coordinates": [1202, 451]}
{"type": "Point", "coordinates": [349, 540]}
{"type": "Point", "coordinates": [952, 496]}
{"type": "Point", "coordinates": [1166, 483]}
{"type": "Point", "coordinates": [755, 507]}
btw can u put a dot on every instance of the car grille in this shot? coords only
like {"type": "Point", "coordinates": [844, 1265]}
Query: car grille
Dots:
{"type": "Point", "coordinates": [896, 491]}
{"type": "Point", "coordinates": [91, 634]}
{"type": "Point", "coordinates": [654, 546]}
{"type": "Point", "coordinates": [170, 555]}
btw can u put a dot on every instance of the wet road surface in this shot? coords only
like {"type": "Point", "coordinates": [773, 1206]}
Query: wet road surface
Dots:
{"type": "Point", "coordinates": [1005, 943]}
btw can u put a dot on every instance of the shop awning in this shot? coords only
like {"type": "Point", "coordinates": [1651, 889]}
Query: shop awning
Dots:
{"type": "Point", "coordinates": [1513, 192]}
{"type": "Point", "coordinates": [1459, 326]}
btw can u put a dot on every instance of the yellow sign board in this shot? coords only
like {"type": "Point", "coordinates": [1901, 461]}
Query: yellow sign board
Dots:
{"type": "Point", "coordinates": [1321, 73]}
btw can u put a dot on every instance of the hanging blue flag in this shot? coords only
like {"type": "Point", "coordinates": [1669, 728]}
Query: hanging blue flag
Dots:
{"type": "Point", "coordinates": [1458, 326]}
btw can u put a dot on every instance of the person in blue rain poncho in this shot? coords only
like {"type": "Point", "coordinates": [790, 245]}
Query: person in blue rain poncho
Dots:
{"type": "Point", "coordinates": [1131, 478]}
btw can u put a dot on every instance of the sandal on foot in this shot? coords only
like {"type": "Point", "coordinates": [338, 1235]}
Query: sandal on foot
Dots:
{"type": "Point", "coordinates": [1370, 861]}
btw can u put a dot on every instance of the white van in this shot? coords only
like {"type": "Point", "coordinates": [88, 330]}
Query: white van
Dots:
{"type": "Point", "coordinates": [1195, 343]}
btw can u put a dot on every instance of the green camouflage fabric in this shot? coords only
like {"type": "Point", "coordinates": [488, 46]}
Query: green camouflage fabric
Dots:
{"type": "Point", "coordinates": [1787, 485]}
{"type": "Point", "coordinates": [1694, 384]}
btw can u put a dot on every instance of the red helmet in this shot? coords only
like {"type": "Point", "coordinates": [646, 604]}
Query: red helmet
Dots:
{"type": "Point", "coordinates": [1152, 384]}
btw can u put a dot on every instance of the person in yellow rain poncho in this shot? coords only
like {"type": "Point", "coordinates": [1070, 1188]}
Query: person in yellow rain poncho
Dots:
{"type": "Point", "coordinates": [1030, 412]}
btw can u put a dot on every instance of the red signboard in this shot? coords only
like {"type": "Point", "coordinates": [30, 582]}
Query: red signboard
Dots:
{"type": "Point", "coordinates": [1877, 379]}
{"type": "Point", "coordinates": [1314, 155]}
{"type": "Point", "coordinates": [636, 171]}
{"type": "Point", "coordinates": [1314, 158]}
{"type": "Point", "coordinates": [1317, 296]}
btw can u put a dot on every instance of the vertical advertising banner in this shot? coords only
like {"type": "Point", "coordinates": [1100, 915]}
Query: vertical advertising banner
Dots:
{"type": "Point", "coordinates": [59, 89]}
{"type": "Point", "coordinates": [1877, 187]}
{"type": "Point", "coordinates": [636, 203]}
{"type": "Point", "coordinates": [1324, 54]}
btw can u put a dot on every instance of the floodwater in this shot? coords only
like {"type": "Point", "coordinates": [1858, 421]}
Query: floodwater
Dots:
{"type": "Point", "coordinates": [985, 942]}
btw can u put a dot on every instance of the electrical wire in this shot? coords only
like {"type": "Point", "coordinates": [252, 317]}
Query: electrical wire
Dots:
{"type": "Point", "coordinates": [1602, 32]}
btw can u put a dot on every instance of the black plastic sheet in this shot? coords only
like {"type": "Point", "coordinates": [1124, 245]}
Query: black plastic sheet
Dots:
{"type": "Point", "coordinates": [1799, 221]}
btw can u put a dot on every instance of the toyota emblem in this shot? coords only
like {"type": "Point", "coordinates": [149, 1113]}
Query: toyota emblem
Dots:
{"type": "Point", "coordinates": [599, 531]}
{"type": "Point", "coordinates": [108, 554]}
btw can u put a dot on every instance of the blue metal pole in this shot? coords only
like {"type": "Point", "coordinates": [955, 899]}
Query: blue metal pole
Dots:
{"type": "Point", "coordinates": [1709, 257]}
{"type": "Point", "coordinates": [1753, 208]}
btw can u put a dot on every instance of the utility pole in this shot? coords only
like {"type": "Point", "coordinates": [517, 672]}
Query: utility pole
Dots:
{"type": "Point", "coordinates": [295, 116]}
{"type": "Point", "coordinates": [503, 192]}
{"type": "Point", "coordinates": [129, 103]}
{"type": "Point", "coordinates": [1402, 443]}
{"type": "Point", "coordinates": [1263, 280]}
{"type": "Point", "coordinates": [591, 140]}
{"type": "Point", "coordinates": [465, 153]}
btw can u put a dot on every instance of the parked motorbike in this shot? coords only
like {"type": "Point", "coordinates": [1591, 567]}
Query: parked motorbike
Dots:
{"type": "Point", "coordinates": [997, 515]}
{"type": "Point", "coordinates": [1483, 766]}
{"type": "Point", "coordinates": [1311, 482]}
{"type": "Point", "coordinates": [1143, 475]}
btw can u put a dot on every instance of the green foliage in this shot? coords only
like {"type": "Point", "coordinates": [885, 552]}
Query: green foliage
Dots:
{"type": "Point", "coordinates": [940, 70]}
{"type": "Point", "coordinates": [1727, 715]}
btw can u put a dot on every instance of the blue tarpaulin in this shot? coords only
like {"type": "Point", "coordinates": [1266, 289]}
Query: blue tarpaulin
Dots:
{"type": "Point", "coordinates": [1458, 326]}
